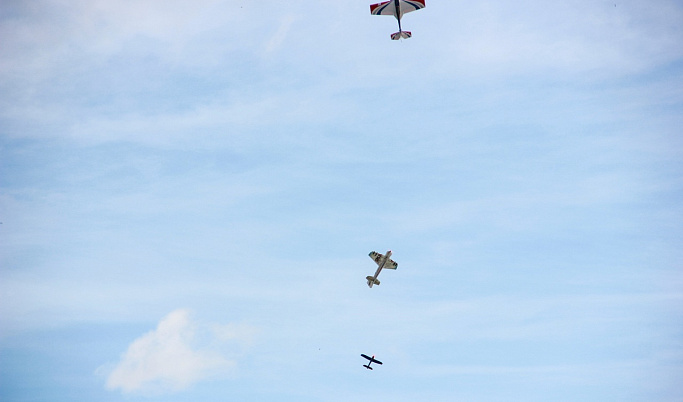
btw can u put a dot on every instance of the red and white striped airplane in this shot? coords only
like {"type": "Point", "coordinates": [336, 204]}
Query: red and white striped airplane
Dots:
{"type": "Point", "coordinates": [397, 8]}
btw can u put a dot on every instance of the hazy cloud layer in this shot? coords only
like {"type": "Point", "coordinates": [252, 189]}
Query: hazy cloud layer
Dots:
{"type": "Point", "coordinates": [241, 158]}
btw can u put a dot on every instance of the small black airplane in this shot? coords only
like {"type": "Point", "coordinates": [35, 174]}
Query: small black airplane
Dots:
{"type": "Point", "coordinates": [372, 360]}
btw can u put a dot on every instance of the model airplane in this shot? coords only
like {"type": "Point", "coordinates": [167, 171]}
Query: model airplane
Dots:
{"type": "Point", "coordinates": [397, 8]}
{"type": "Point", "coordinates": [383, 261]}
{"type": "Point", "coordinates": [372, 360]}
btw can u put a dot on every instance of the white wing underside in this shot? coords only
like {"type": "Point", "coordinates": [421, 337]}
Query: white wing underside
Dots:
{"type": "Point", "coordinates": [391, 264]}
{"type": "Point", "coordinates": [378, 257]}
{"type": "Point", "coordinates": [388, 8]}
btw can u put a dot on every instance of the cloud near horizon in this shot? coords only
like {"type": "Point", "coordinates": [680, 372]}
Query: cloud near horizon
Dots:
{"type": "Point", "coordinates": [171, 358]}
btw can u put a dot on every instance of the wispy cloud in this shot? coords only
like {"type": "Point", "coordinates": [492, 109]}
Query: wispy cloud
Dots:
{"type": "Point", "coordinates": [573, 37]}
{"type": "Point", "coordinates": [173, 357]}
{"type": "Point", "coordinates": [279, 36]}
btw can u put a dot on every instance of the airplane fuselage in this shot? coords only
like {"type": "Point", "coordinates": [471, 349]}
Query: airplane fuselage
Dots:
{"type": "Point", "coordinates": [397, 13]}
{"type": "Point", "coordinates": [386, 256]}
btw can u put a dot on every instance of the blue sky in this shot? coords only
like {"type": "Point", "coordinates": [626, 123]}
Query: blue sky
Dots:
{"type": "Point", "coordinates": [188, 194]}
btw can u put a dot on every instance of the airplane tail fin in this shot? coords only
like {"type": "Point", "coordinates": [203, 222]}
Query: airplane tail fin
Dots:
{"type": "Point", "coordinates": [367, 367]}
{"type": "Point", "coordinates": [401, 35]}
{"type": "Point", "coordinates": [372, 281]}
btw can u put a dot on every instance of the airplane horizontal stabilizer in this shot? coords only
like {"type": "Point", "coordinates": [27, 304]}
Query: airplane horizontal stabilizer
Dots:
{"type": "Point", "coordinates": [372, 280]}
{"type": "Point", "coordinates": [401, 35]}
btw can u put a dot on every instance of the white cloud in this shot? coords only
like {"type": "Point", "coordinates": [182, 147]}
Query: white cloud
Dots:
{"type": "Point", "coordinates": [169, 358]}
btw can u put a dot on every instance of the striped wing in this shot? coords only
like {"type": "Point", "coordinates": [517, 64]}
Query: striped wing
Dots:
{"type": "Point", "coordinates": [384, 8]}
{"type": "Point", "coordinates": [388, 8]}
{"type": "Point", "coordinates": [411, 5]}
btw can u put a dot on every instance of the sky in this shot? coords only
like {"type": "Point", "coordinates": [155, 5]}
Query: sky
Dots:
{"type": "Point", "coordinates": [189, 192]}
